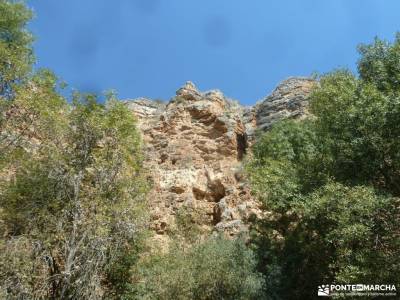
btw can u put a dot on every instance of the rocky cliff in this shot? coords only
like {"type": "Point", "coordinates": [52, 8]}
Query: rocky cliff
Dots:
{"type": "Point", "coordinates": [195, 145]}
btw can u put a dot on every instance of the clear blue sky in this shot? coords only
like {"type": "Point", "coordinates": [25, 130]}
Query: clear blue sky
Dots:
{"type": "Point", "coordinates": [151, 47]}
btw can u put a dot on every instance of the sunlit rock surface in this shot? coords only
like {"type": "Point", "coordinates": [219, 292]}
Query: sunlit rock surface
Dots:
{"type": "Point", "coordinates": [195, 145]}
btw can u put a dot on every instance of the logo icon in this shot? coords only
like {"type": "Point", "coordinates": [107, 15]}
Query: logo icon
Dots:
{"type": "Point", "coordinates": [323, 290]}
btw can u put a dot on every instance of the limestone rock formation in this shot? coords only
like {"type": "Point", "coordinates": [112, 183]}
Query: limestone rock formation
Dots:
{"type": "Point", "coordinates": [288, 100]}
{"type": "Point", "coordinates": [195, 145]}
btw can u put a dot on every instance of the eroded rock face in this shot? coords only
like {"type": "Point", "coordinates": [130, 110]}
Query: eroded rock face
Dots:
{"type": "Point", "coordinates": [288, 100]}
{"type": "Point", "coordinates": [195, 145]}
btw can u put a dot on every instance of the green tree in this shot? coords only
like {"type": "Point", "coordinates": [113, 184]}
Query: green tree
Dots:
{"type": "Point", "coordinates": [76, 194]}
{"type": "Point", "coordinates": [357, 126]}
{"type": "Point", "coordinates": [289, 159]}
{"type": "Point", "coordinates": [72, 189]}
{"type": "Point", "coordinates": [380, 64]}
{"type": "Point", "coordinates": [16, 55]}
{"type": "Point", "coordinates": [330, 184]}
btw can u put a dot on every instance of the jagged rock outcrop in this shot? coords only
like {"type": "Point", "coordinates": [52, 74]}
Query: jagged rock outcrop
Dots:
{"type": "Point", "coordinates": [195, 145]}
{"type": "Point", "coordinates": [288, 100]}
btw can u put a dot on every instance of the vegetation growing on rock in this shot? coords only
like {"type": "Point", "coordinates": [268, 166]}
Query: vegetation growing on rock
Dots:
{"type": "Point", "coordinates": [73, 210]}
{"type": "Point", "coordinates": [147, 200]}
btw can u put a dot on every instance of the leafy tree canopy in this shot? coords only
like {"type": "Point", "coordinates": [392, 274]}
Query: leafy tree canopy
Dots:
{"type": "Point", "coordinates": [331, 183]}
{"type": "Point", "coordinates": [16, 55]}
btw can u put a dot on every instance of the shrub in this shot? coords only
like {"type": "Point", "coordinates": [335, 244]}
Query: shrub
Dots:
{"type": "Point", "coordinates": [215, 269]}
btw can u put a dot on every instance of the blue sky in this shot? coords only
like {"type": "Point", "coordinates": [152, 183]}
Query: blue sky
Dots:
{"type": "Point", "coordinates": [150, 48]}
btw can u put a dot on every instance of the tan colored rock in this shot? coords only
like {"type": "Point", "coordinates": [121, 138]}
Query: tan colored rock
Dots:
{"type": "Point", "coordinates": [288, 100]}
{"type": "Point", "coordinates": [195, 145]}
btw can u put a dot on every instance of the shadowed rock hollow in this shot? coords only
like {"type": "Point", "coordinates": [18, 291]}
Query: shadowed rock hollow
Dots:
{"type": "Point", "coordinates": [194, 148]}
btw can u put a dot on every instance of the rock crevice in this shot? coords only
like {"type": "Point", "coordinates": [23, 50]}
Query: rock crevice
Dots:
{"type": "Point", "coordinates": [194, 148]}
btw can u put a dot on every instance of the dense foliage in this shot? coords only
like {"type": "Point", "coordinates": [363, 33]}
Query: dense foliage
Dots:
{"type": "Point", "coordinates": [73, 195]}
{"type": "Point", "coordinates": [331, 183]}
{"type": "Point", "coordinates": [16, 55]}
{"type": "Point", "coordinates": [73, 221]}
{"type": "Point", "coordinates": [73, 215]}
{"type": "Point", "coordinates": [214, 269]}
{"type": "Point", "coordinates": [71, 186]}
